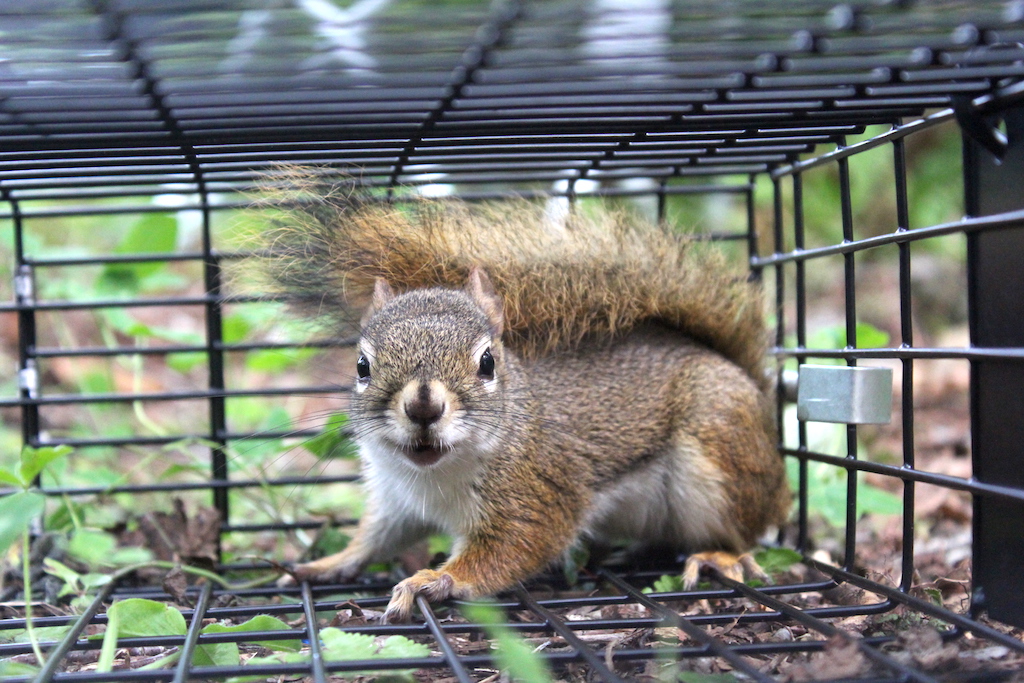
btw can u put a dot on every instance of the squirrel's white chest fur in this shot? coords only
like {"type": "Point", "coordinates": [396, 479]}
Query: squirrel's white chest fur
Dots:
{"type": "Point", "coordinates": [442, 497]}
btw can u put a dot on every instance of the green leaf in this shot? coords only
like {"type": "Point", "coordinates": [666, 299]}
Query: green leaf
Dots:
{"type": "Point", "coordinates": [185, 362]}
{"type": "Point", "coordinates": [154, 233]}
{"type": "Point", "coordinates": [17, 510]}
{"type": "Point", "coordinates": [71, 578]}
{"type": "Point", "coordinates": [834, 337]}
{"type": "Point", "coordinates": [125, 323]}
{"type": "Point", "coordinates": [513, 655]}
{"type": "Point", "coordinates": [400, 647]}
{"type": "Point", "coordinates": [342, 646]}
{"type": "Point", "coordinates": [261, 622]}
{"type": "Point", "coordinates": [43, 634]}
{"type": "Point", "coordinates": [276, 658]}
{"type": "Point", "coordinates": [109, 647]}
{"type": "Point", "coordinates": [775, 561]}
{"type": "Point", "coordinates": [871, 499]}
{"type": "Point", "coordinates": [130, 555]}
{"type": "Point", "coordinates": [10, 478]}
{"type": "Point", "coordinates": [668, 583]}
{"type": "Point", "coordinates": [332, 442]}
{"type": "Point", "coordinates": [826, 493]}
{"type": "Point", "coordinates": [33, 460]}
{"type": "Point", "coordinates": [269, 360]}
{"type": "Point", "coordinates": [140, 618]}
{"type": "Point", "coordinates": [235, 328]}
{"type": "Point", "coordinates": [9, 669]}
{"type": "Point", "coordinates": [869, 336]}
{"type": "Point", "coordinates": [216, 654]}
{"type": "Point", "coordinates": [94, 548]}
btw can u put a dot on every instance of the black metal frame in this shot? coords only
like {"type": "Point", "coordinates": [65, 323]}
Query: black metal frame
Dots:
{"type": "Point", "coordinates": [504, 101]}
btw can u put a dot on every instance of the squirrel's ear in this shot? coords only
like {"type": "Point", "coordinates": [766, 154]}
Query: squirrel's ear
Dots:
{"type": "Point", "coordinates": [481, 290]}
{"type": "Point", "coordinates": [382, 293]}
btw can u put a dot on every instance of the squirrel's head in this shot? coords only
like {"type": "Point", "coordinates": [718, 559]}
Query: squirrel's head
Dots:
{"type": "Point", "coordinates": [430, 371]}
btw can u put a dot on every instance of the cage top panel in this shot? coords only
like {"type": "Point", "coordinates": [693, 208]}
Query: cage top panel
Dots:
{"type": "Point", "coordinates": [197, 93]}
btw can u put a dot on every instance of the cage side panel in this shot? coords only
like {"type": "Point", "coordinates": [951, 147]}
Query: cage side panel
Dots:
{"type": "Point", "coordinates": [996, 281]}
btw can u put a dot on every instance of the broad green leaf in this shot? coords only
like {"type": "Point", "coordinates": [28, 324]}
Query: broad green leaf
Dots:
{"type": "Point", "coordinates": [826, 494]}
{"type": "Point", "coordinates": [668, 583]}
{"type": "Point", "coordinates": [235, 328]}
{"type": "Point", "coordinates": [130, 555]}
{"type": "Point", "coordinates": [260, 622]}
{"type": "Point", "coordinates": [185, 362]}
{"type": "Point", "coordinates": [877, 501]}
{"type": "Point", "coordinates": [155, 233]}
{"type": "Point", "coordinates": [276, 658]}
{"type": "Point", "coordinates": [9, 478]}
{"type": "Point", "coordinates": [834, 337]}
{"type": "Point", "coordinates": [141, 618]}
{"type": "Point", "coordinates": [514, 656]}
{"type": "Point", "coordinates": [869, 336]}
{"type": "Point", "coordinates": [123, 321]}
{"type": "Point", "coordinates": [216, 654]}
{"type": "Point", "coordinates": [17, 510]}
{"type": "Point", "coordinates": [776, 560]}
{"type": "Point", "coordinates": [332, 442]}
{"type": "Point", "coordinates": [9, 669]}
{"type": "Point", "coordinates": [43, 634]}
{"type": "Point", "coordinates": [94, 548]}
{"type": "Point", "coordinates": [341, 645]}
{"type": "Point", "coordinates": [71, 578]}
{"type": "Point", "coordinates": [270, 360]}
{"type": "Point", "coordinates": [400, 647]}
{"type": "Point", "coordinates": [33, 460]}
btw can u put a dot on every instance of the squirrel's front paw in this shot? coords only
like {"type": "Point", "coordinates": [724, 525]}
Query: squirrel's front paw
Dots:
{"type": "Point", "coordinates": [434, 585]}
{"type": "Point", "coordinates": [730, 565]}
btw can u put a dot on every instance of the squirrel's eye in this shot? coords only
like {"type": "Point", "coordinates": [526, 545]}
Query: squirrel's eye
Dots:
{"type": "Point", "coordinates": [486, 370]}
{"type": "Point", "coordinates": [363, 367]}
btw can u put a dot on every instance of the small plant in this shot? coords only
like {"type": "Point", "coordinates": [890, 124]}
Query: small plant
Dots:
{"type": "Point", "coordinates": [17, 512]}
{"type": "Point", "coordinates": [513, 655]}
{"type": "Point", "coordinates": [138, 617]}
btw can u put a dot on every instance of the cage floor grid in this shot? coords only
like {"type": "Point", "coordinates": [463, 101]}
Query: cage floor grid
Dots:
{"type": "Point", "coordinates": [608, 628]}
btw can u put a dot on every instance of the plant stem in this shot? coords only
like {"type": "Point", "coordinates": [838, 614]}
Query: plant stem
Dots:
{"type": "Point", "coordinates": [26, 577]}
{"type": "Point", "coordinates": [211, 576]}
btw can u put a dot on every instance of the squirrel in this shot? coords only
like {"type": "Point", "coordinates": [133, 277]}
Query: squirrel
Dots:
{"type": "Point", "coordinates": [525, 384]}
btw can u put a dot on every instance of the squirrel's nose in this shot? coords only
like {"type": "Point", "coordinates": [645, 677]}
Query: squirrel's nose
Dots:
{"type": "Point", "coordinates": [424, 408]}
{"type": "Point", "coordinates": [424, 413]}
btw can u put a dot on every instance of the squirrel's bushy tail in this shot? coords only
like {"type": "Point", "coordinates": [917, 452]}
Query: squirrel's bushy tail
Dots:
{"type": "Point", "coordinates": [560, 282]}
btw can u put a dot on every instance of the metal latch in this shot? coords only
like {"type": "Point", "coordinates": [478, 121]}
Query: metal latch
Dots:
{"type": "Point", "coordinates": [834, 393]}
{"type": "Point", "coordinates": [24, 285]}
{"type": "Point", "coordinates": [28, 379]}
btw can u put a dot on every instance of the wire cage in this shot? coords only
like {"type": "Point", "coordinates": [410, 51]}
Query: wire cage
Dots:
{"type": "Point", "coordinates": [864, 158]}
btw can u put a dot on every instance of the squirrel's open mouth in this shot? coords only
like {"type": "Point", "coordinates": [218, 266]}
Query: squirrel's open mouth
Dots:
{"type": "Point", "coordinates": [423, 453]}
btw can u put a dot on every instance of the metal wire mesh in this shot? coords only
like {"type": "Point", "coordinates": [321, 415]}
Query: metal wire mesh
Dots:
{"type": "Point", "coordinates": [123, 111]}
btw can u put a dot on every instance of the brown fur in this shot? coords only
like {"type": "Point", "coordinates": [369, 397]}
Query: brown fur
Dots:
{"type": "Point", "coordinates": [626, 397]}
{"type": "Point", "coordinates": [597, 275]}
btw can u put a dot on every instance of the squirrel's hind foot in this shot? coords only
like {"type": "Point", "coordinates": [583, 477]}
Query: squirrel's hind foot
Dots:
{"type": "Point", "coordinates": [730, 565]}
{"type": "Point", "coordinates": [338, 568]}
